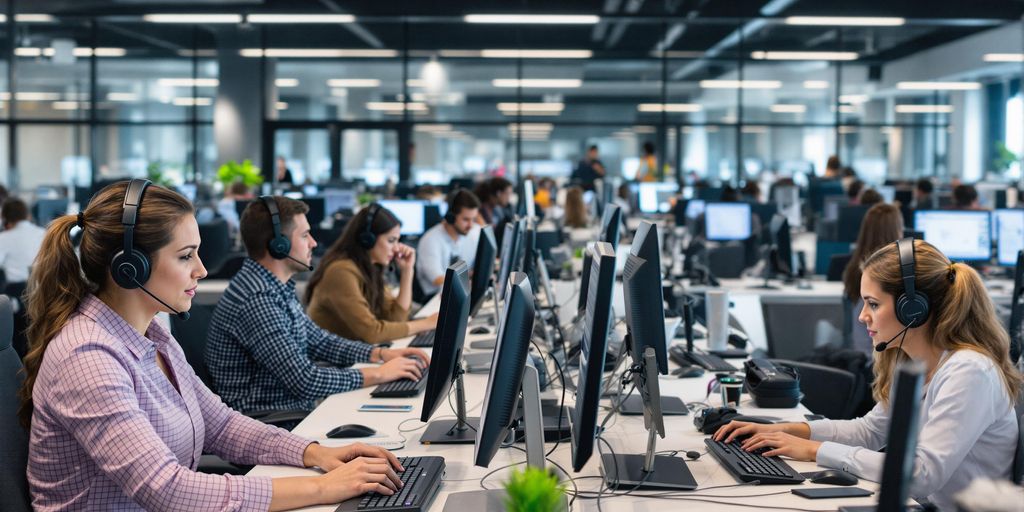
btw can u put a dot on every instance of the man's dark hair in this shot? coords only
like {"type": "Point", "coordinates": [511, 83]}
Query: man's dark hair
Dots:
{"type": "Point", "coordinates": [592, 148]}
{"type": "Point", "coordinates": [964, 195]}
{"type": "Point", "coordinates": [925, 186]}
{"type": "Point", "coordinates": [856, 186]}
{"type": "Point", "coordinates": [648, 148]}
{"type": "Point", "coordinates": [256, 228]}
{"type": "Point", "coordinates": [462, 199]}
{"type": "Point", "coordinates": [14, 211]}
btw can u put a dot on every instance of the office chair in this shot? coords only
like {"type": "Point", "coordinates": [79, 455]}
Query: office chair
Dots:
{"type": "Point", "coordinates": [1018, 457]}
{"type": "Point", "coordinates": [16, 291]}
{"type": "Point", "coordinates": [836, 265]}
{"type": "Point", "coordinates": [14, 495]}
{"type": "Point", "coordinates": [791, 334]}
{"type": "Point", "coordinates": [216, 244]}
{"type": "Point", "coordinates": [727, 260]}
{"type": "Point", "coordinates": [191, 335]}
{"type": "Point", "coordinates": [831, 392]}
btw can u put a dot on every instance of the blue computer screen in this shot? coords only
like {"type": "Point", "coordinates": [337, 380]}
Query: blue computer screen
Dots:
{"type": "Point", "coordinates": [960, 235]}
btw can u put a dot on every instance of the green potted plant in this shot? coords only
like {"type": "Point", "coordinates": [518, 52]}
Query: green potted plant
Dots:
{"type": "Point", "coordinates": [534, 490]}
{"type": "Point", "coordinates": [155, 173]}
{"type": "Point", "coordinates": [1004, 158]}
{"type": "Point", "coordinates": [245, 172]}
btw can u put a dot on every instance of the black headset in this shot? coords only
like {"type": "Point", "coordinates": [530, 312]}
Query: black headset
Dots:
{"type": "Point", "coordinates": [130, 267]}
{"type": "Point", "coordinates": [280, 246]}
{"type": "Point", "coordinates": [367, 239]}
{"type": "Point", "coordinates": [912, 306]}
{"type": "Point", "coordinates": [449, 216]}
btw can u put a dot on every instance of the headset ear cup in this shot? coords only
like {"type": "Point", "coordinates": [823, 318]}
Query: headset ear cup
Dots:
{"type": "Point", "coordinates": [279, 247]}
{"type": "Point", "coordinates": [912, 311]}
{"type": "Point", "coordinates": [367, 240]}
{"type": "Point", "coordinates": [125, 267]}
{"type": "Point", "coordinates": [449, 216]}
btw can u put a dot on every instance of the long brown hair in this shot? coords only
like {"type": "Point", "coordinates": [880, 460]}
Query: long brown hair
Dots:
{"type": "Point", "coordinates": [57, 289]}
{"type": "Point", "coordinates": [962, 316]}
{"type": "Point", "coordinates": [882, 224]}
{"type": "Point", "coordinates": [575, 208]}
{"type": "Point", "coordinates": [348, 246]}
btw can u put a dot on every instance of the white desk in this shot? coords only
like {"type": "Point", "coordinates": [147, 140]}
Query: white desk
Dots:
{"type": "Point", "coordinates": [626, 434]}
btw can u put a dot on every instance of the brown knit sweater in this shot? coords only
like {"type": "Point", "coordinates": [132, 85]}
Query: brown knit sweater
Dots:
{"type": "Point", "coordinates": [339, 305]}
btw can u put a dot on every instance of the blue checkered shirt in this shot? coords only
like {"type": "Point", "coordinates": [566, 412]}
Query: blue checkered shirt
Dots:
{"type": "Point", "coordinates": [262, 345]}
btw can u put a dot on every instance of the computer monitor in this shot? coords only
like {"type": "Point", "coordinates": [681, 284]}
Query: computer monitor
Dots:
{"type": "Point", "coordinates": [528, 264]}
{"type": "Point", "coordinates": [336, 200]}
{"type": "Point", "coordinates": [850, 219]}
{"type": "Point", "coordinates": [782, 261]}
{"type": "Point", "coordinates": [641, 283]}
{"type": "Point", "coordinates": [694, 208]}
{"type": "Point", "coordinates": [963, 235]}
{"type": "Point", "coordinates": [593, 347]}
{"type": "Point", "coordinates": [432, 216]}
{"type": "Point", "coordinates": [317, 210]}
{"type": "Point", "coordinates": [531, 208]}
{"type": "Point", "coordinates": [1008, 229]}
{"type": "Point", "coordinates": [410, 212]}
{"type": "Point", "coordinates": [655, 197]}
{"type": "Point", "coordinates": [645, 325]}
{"type": "Point", "coordinates": [506, 378]}
{"type": "Point", "coordinates": [510, 243]}
{"type": "Point", "coordinates": [483, 268]}
{"type": "Point", "coordinates": [901, 443]}
{"type": "Point", "coordinates": [832, 206]}
{"type": "Point", "coordinates": [727, 221]}
{"type": "Point", "coordinates": [588, 260]}
{"type": "Point", "coordinates": [1017, 310]}
{"type": "Point", "coordinates": [610, 222]}
{"type": "Point", "coordinates": [888, 193]}
{"type": "Point", "coordinates": [445, 361]}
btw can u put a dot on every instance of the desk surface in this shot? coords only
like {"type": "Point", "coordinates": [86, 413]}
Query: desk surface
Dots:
{"type": "Point", "coordinates": [626, 434]}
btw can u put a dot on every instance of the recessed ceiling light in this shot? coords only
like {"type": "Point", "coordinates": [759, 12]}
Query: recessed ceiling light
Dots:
{"type": "Point", "coordinates": [193, 102]}
{"type": "Point", "coordinates": [924, 109]}
{"type": "Point", "coordinates": [353, 82]}
{"type": "Point", "coordinates": [1003, 57]}
{"type": "Point", "coordinates": [301, 18]}
{"type": "Point", "coordinates": [532, 107]}
{"type": "Point", "coordinates": [188, 82]}
{"type": "Point", "coordinates": [562, 19]}
{"type": "Point", "coordinates": [193, 18]}
{"type": "Point", "coordinates": [938, 86]}
{"type": "Point", "coordinates": [535, 54]}
{"type": "Point", "coordinates": [317, 53]}
{"type": "Point", "coordinates": [736, 84]}
{"type": "Point", "coordinates": [286, 82]}
{"type": "Point", "coordinates": [396, 105]}
{"type": "Point", "coordinates": [850, 21]}
{"type": "Point", "coordinates": [762, 55]}
{"type": "Point", "coordinates": [538, 83]}
{"type": "Point", "coordinates": [816, 84]}
{"type": "Point", "coordinates": [668, 107]}
{"type": "Point", "coordinates": [781, 108]}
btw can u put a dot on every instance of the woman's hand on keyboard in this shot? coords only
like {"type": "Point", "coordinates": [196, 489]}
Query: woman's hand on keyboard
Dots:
{"type": "Point", "coordinates": [358, 477]}
{"type": "Point", "coordinates": [328, 458]}
{"type": "Point", "coordinates": [734, 429]}
{"type": "Point", "coordinates": [784, 444]}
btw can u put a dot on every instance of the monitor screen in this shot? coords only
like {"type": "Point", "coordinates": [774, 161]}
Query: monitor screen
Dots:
{"type": "Point", "coordinates": [655, 197]}
{"type": "Point", "coordinates": [960, 235]}
{"type": "Point", "coordinates": [1009, 233]}
{"type": "Point", "coordinates": [531, 208]}
{"type": "Point", "coordinates": [336, 200]}
{"type": "Point", "coordinates": [410, 212]}
{"type": "Point", "coordinates": [727, 221]}
{"type": "Point", "coordinates": [309, 190]}
{"type": "Point", "coordinates": [642, 295]}
{"type": "Point", "coordinates": [593, 347]}
{"type": "Point", "coordinates": [694, 207]}
{"type": "Point", "coordinates": [448, 338]}
{"type": "Point", "coordinates": [507, 364]}
{"type": "Point", "coordinates": [832, 206]}
{"type": "Point", "coordinates": [888, 193]}
{"type": "Point", "coordinates": [610, 222]}
{"type": "Point", "coordinates": [483, 267]}
{"type": "Point", "coordinates": [509, 249]}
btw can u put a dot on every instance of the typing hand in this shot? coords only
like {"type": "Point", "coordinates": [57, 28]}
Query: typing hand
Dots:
{"type": "Point", "coordinates": [781, 443]}
{"type": "Point", "coordinates": [400, 368]}
{"type": "Point", "coordinates": [329, 458]}
{"type": "Point", "coordinates": [734, 429]}
{"type": "Point", "coordinates": [358, 477]}
{"type": "Point", "coordinates": [395, 353]}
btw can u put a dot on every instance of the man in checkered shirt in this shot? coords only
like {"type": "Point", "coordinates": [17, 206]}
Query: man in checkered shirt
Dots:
{"type": "Point", "coordinates": [262, 347]}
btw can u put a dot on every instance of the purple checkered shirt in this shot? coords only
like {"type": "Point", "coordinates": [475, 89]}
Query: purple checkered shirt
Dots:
{"type": "Point", "coordinates": [111, 432]}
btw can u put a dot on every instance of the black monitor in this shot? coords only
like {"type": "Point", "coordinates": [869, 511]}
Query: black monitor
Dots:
{"type": "Point", "coordinates": [1017, 310]}
{"type": "Point", "coordinates": [592, 351]}
{"type": "Point", "coordinates": [506, 378]}
{"type": "Point", "coordinates": [445, 360]}
{"type": "Point", "coordinates": [782, 262]}
{"type": "Point", "coordinates": [528, 264]}
{"type": "Point", "coordinates": [610, 222]}
{"type": "Point", "coordinates": [641, 283]}
{"type": "Point", "coordinates": [241, 205]}
{"type": "Point", "coordinates": [431, 216]}
{"type": "Point", "coordinates": [317, 210]}
{"type": "Point", "coordinates": [588, 260]}
{"type": "Point", "coordinates": [483, 268]}
{"type": "Point", "coordinates": [510, 250]}
{"type": "Point", "coordinates": [849, 221]}
{"type": "Point", "coordinates": [898, 468]}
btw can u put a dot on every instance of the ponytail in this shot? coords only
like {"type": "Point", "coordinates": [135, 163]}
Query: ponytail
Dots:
{"type": "Point", "coordinates": [54, 292]}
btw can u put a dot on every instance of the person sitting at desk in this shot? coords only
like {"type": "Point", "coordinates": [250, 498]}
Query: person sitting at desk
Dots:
{"type": "Point", "coordinates": [495, 196]}
{"type": "Point", "coordinates": [453, 238]}
{"type": "Point", "coordinates": [261, 345]}
{"type": "Point", "coordinates": [576, 216]}
{"type": "Point", "coordinates": [965, 197]}
{"type": "Point", "coordinates": [118, 419]}
{"type": "Point", "coordinates": [882, 224]}
{"type": "Point", "coordinates": [20, 240]}
{"type": "Point", "coordinates": [968, 426]}
{"type": "Point", "coordinates": [347, 295]}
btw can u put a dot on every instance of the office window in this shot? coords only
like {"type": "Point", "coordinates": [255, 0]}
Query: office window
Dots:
{"type": "Point", "coordinates": [1014, 140]}
{"type": "Point", "coordinates": [132, 151]}
{"type": "Point", "coordinates": [53, 154]}
{"type": "Point", "coordinates": [446, 151]}
{"type": "Point", "coordinates": [53, 71]}
{"type": "Point", "coordinates": [307, 154]}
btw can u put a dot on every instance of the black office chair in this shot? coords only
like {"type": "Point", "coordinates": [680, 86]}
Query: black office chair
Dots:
{"type": "Point", "coordinates": [831, 392]}
{"type": "Point", "coordinates": [728, 260]}
{"type": "Point", "coordinates": [836, 265]}
{"type": "Point", "coordinates": [216, 244]}
{"type": "Point", "coordinates": [191, 335]}
{"type": "Point", "coordinates": [1018, 457]}
{"type": "Point", "coordinates": [16, 291]}
{"type": "Point", "coordinates": [14, 495]}
{"type": "Point", "coordinates": [790, 323]}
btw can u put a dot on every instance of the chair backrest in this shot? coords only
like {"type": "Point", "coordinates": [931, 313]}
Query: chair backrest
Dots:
{"type": "Point", "coordinates": [216, 244]}
{"type": "Point", "coordinates": [727, 260]}
{"type": "Point", "coordinates": [1018, 458]}
{"type": "Point", "coordinates": [850, 219]}
{"type": "Point", "coordinates": [14, 495]}
{"type": "Point", "coordinates": [836, 265]}
{"type": "Point", "coordinates": [191, 335]}
{"type": "Point", "coordinates": [827, 391]}
{"type": "Point", "coordinates": [789, 334]}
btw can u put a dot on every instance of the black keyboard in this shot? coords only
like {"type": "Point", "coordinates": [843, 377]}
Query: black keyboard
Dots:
{"type": "Point", "coordinates": [709, 362]}
{"type": "Point", "coordinates": [422, 479]}
{"type": "Point", "coordinates": [423, 339]}
{"type": "Point", "coordinates": [750, 466]}
{"type": "Point", "coordinates": [403, 388]}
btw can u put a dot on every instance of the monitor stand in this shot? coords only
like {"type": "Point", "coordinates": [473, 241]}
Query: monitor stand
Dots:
{"type": "Point", "coordinates": [494, 499]}
{"type": "Point", "coordinates": [461, 430]}
{"type": "Point", "coordinates": [490, 344]}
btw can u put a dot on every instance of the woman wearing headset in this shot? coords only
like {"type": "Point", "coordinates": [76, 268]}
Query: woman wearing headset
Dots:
{"type": "Point", "coordinates": [347, 295]}
{"type": "Point", "coordinates": [118, 417]}
{"type": "Point", "coordinates": [941, 316]}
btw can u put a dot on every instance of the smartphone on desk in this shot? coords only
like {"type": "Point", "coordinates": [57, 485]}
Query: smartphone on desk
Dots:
{"type": "Point", "coordinates": [384, 408]}
{"type": "Point", "coordinates": [832, 492]}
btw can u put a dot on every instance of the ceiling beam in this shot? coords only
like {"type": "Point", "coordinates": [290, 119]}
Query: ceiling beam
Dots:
{"type": "Point", "coordinates": [356, 29]}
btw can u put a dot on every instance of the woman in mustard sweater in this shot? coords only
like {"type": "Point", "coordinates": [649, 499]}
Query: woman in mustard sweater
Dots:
{"type": "Point", "coordinates": [347, 295]}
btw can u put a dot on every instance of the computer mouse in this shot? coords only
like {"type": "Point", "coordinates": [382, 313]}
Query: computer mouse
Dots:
{"type": "Point", "coordinates": [351, 430]}
{"type": "Point", "coordinates": [686, 372]}
{"type": "Point", "coordinates": [479, 330]}
{"type": "Point", "coordinates": [834, 477]}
